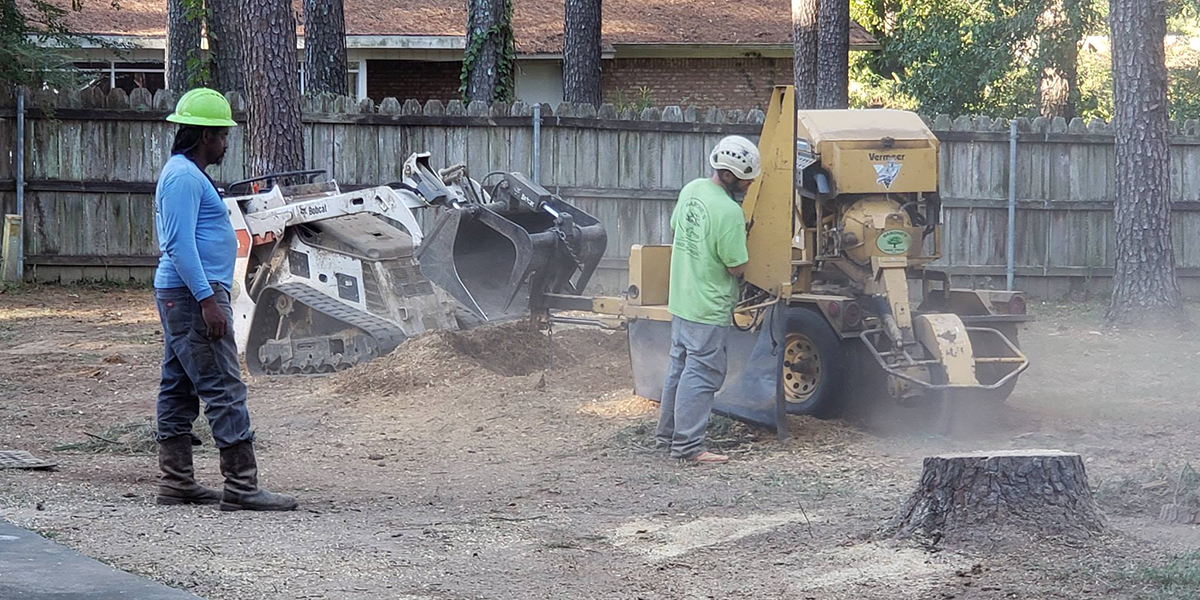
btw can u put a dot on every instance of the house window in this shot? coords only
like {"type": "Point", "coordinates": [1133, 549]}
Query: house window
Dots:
{"type": "Point", "coordinates": [351, 79]}
{"type": "Point", "coordinates": [125, 75]}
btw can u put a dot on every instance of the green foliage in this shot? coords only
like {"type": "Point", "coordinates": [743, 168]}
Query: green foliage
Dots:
{"type": "Point", "coordinates": [638, 99]}
{"type": "Point", "coordinates": [869, 89]}
{"type": "Point", "coordinates": [506, 59]}
{"type": "Point", "coordinates": [35, 45]}
{"type": "Point", "coordinates": [1178, 579]}
{"type": "Point", "coordinates": [198, 69]}
{"type": "Point", "coordinates": [962, 57]}
{"type": "Point", "coordinates": [1183, 84]}
{"type": "Point", "coordinates": [1183, 88]}
{"type": "Point", "coordinates": [1183, 17]}
{"type": "Point", "coordinates": [1095, 85]}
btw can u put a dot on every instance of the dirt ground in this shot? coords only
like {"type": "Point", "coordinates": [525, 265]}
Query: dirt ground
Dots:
{"type": "Point", "coordinates": [471, 472]}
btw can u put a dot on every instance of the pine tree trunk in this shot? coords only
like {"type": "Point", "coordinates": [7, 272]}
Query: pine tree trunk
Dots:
{"type": "Point", "coordinates": [984, 497]}
{"type": "Point", "coordinates": [487, 64]}
{"type": "Point", "coordinates": [226, 46]}
{"type": "Point", "coordinates": [184, 66]}
{"type": "Point", "coordinates": [273, 93]}
{"type": "Point", "coordinates": [804, 46]}
{"type": "Point", "coordinates": [1058, 43]}
{"type": "Point", "coordinates": [581, 53]}
{"type": "Point", "coordinates": [833, 54]}
{"type": "Point", "coordinates": [1145, 287]}
{"type": "Point", "coordinates": [325, 47]}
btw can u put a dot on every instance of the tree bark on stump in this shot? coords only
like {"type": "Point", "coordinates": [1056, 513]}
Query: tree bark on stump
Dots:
{"type": "Point", "coordinates": [988, 497]}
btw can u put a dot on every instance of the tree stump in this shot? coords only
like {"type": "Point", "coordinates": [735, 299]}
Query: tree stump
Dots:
{"type": "Point", "coordinates": [990, 497]}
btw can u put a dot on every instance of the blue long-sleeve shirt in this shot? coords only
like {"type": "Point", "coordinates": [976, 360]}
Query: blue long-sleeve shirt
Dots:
{"type": "Point", "coordinates": [194, 233]}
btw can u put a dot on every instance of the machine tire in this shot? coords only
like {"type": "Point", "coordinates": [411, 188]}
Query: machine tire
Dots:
{"type": "Point", "coordinates": [1000, 394]}
{"type": "Point", "coordinates": [814, 334]}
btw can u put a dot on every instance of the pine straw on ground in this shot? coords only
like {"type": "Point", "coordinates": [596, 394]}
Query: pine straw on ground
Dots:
{"type": "Point", "coordinates": [132, 437]}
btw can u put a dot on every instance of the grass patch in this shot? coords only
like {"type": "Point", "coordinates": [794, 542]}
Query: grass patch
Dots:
{"type": "Point", "coordinates": [131, 437]}
{"type": "Point", "coordinates": [1178, 579]}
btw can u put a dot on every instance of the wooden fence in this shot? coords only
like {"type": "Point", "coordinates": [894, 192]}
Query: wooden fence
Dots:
{"type": "Point", "coordinates": [90, 172]}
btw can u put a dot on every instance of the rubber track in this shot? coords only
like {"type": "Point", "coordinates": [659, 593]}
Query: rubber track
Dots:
{"type": "Point", "coordinates": [386, 335]}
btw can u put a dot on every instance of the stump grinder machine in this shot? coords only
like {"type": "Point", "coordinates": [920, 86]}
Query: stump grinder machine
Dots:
{"type": "Point", "coordinates": [845, 215]}
{"type": "Point", "coordinates": [326, 279]}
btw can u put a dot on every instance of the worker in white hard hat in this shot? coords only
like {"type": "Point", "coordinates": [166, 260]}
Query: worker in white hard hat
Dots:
{"type": "Point", "coordinates": [708, 258]}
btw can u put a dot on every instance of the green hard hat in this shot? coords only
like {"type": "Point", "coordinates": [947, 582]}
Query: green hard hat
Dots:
{"type": "Point", "coordinates": [203, 107]}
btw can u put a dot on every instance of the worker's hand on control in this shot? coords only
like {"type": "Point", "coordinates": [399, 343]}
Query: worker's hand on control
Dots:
{"type": "Point", "coordinates": [214, 318]}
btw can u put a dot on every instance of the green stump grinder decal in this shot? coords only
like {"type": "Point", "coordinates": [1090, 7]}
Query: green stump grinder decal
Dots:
{"type": "Point", "coordinates": [894, 241]}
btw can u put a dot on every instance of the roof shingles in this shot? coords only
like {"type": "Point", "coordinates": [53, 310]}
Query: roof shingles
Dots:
{"type": "Point", "coordinates": [538, 23]}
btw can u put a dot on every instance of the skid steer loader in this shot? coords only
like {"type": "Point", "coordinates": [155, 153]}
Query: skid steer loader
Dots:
{"type": "Point", "coordinates": [844, 216]}
{"type": "Point", "coordinates": [326, 279]}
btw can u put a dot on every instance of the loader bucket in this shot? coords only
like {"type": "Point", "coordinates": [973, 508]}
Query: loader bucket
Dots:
{"type": "Point", "coordinates": [491, 260]}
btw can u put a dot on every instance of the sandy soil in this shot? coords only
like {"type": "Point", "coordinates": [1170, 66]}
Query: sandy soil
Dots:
{"type": "Point", "coordinates": [472, 472]}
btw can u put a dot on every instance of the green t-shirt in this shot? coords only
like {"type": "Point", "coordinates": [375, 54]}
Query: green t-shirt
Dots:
{"type": "Point", "coordinates": [710, 235]}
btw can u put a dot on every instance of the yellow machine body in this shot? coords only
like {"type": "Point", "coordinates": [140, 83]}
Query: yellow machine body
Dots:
{"type": "Point", "coordinates": [844, 215]}
{"type": "Point", "coordinates": [872, 151]}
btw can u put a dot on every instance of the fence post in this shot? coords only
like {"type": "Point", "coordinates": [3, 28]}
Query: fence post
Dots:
{"type": "Point", "coordinates": [1011, 247]}
{"type": "Point", "coordinates": [21, 183]}
{"type": "Point", "coordinates": [537, 142]}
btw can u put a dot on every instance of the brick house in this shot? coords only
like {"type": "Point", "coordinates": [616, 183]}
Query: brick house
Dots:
{"type": "Point", "coordinates": [703, 52]}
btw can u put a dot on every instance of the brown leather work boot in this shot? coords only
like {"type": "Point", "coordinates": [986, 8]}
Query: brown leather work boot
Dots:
{"type": "Point", "coordinates": [178, 484]}
{"type": "Point", "coordinates": [240, 469]}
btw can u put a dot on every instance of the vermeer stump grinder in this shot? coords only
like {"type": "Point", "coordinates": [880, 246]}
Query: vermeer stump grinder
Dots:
{"type": "Point", "coordinates": [326, 279]}
{"type": "Point", "coordinates": [845, 215]}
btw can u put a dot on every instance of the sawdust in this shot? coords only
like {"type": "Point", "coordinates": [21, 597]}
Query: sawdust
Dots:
{"type": "Point", "coordinates": [876, 565]}
{"type": "Point", "coordinates": [482, 356]}
{"type": "Point", "coordinates": [622, 406]}
{"type": "Point", "coordinates": [661, 539]}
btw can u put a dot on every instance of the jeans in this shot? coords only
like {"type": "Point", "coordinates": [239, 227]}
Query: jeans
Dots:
{"type": "Point", "coordinates": [195, 368]}
{"type": "Point", "coordinates": [696, 372]}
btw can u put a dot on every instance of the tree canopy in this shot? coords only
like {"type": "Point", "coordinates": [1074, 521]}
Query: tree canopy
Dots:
{"type": "Point", "coordinates": [33, 44]}
{"type": "Point", "coordinates": [972, 57]}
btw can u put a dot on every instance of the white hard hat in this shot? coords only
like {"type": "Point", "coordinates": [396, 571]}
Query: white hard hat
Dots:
{"type": "Point", "coordinates": [737, 155]}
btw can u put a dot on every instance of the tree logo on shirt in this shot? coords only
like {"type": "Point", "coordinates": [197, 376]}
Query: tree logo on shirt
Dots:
{"type": "Point", "coordinates": [694, 228]}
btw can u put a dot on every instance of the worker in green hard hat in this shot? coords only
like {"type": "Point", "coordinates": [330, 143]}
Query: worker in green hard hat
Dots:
{"type": "Point", "coordinates": [192, 287]}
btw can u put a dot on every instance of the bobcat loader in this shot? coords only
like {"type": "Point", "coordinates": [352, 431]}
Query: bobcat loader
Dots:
{"type": "Point", "coordinates": [326, 279]}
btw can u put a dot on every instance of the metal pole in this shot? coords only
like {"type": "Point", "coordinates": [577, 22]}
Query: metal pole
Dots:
{"type": "Point", "coordinates": [21, 182]}
{"type": "Point", "coordinates": [537, 142]}
{"type": "Point", "coordinates": [1011, 251]}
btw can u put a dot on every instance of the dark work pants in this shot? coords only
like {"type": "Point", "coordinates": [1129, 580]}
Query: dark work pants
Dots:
{"type": "Point", "coordinates": [196, 369]}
